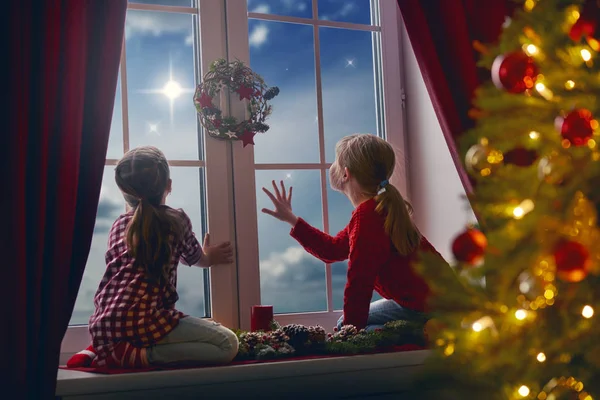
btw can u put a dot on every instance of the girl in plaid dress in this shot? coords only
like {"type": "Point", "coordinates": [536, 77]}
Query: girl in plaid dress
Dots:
{"type": "Point", "coordinates": [135, 324]}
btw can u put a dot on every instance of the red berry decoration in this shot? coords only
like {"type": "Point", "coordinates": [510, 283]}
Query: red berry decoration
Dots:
{"type": "Point", "coordinates": [576, 127]}
{"type": "Point", "coordinates": [469, 247]}
{"type": "Point", "coordinates": [572, 261]}
{"type": "Point", "coordinates": [514, 72]}
{"type": "Point", "coordinates": [520, 156]}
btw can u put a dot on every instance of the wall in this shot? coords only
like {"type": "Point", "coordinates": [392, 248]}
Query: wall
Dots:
{"type": "Point", "coordinates": [435, 189]}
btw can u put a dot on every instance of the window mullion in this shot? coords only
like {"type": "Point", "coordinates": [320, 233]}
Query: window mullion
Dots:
{"type": "Point", "coordinates": [223, 278]}
{"type": "Point", "coordinates": [244, 180]}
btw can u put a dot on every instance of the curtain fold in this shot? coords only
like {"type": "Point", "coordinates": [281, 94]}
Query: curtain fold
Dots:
{"type": "Point", "coordinates": [63, 58]}
{"type": "Point", "coordinates": [442, 33]}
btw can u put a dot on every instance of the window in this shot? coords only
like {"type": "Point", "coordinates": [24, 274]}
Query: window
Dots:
{"type": "Point", "coordinates": [326, 57]}
{"type": "Point", "coordinates": [332, 60]}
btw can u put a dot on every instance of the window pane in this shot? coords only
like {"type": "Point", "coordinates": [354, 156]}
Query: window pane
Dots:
{"type": "Point", "coordinates": [356, 11]}
{"type": "Point", "coordinates": [190, 280]}
{"type": "Point", "coordinates": [111, 205]}
{"type": "Point", "coordinates": [290, 8]}
{"type": "Point", "coordinates": [182, 3]}
{"type": "Point", "coordinates": [284, 55]}
{"type": "Point", "coordinates": [347, 73]}
{"type": "Point", "coordinates": [291, 279]}
{"type": "Point", "coordinates": [161, 80]}
{"type": "Point", "coordinates": [115, 141]}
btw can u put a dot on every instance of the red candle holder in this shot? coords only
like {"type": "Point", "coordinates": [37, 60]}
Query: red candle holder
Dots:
{"type": "Point", "coordinates": [261, 318]}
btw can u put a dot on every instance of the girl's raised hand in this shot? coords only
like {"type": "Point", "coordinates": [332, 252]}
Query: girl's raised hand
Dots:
{"type": "Point", "coordinates": [283, 204]}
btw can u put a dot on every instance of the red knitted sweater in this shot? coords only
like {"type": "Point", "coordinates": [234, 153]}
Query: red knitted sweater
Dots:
{"type": "Point", "coordinates": [373, 263]}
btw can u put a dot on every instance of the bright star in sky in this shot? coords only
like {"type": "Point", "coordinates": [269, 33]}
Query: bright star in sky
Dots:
{"type": "Point", "coordinates": [350, 63]}
{"type": "Point", "coordinates": [171, 90]}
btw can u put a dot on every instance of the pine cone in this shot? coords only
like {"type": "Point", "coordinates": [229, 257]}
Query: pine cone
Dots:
{"type": "Point", "coordinates": [344, 334]}
{"type": "Point", "coordinates": [260, 127]}
{"type": "Point", "coordinates": [271, 93]}
{"type": "Point", "coordinates": [298, 334]}
{"type": "Point", "coordinates": [251, 339]}
{"type": "Point", "coordinates": [316, 334]}
{"type": "Point", "coordinates": [278, 337]}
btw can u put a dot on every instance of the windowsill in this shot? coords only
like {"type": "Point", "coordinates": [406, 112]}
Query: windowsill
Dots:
{"type": "Point", "coordinates": [378, 373]}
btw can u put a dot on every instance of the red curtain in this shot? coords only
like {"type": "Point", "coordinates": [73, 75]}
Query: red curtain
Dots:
{"type": "Point", "coordinates": [62, 61]}
{"type": "Point", "coordinates": [442, 33]}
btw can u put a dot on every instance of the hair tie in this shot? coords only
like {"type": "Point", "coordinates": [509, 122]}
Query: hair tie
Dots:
{"type": "Point", "coordinates": [382, 186]}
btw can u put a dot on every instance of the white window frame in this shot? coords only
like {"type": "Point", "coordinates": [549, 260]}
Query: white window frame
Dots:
{"type": "Point", "coordinates": [244, 167]}
{"type": "Point", "coordinates": [230, 169]}
{"type": "Point", "coordinates": [216, 163]}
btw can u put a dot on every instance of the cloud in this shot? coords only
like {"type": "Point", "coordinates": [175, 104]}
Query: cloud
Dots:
{"type": "Point", "coordinates": [110, 206]}
{"type": "Point", "coordinates": [293, 281]}
{"type": "Point", "coordinates": [141, 23]}
{"type": "Point", "coordinates": [262, 9]}
{"type": "Point", "coordinates": [345, 10]}
{"type": "Point", "coordinates": [189, 40]}
{"type": "Point", "coordinates": [286, 269]}
{"type": "Point", "coordinates": [259, 35]}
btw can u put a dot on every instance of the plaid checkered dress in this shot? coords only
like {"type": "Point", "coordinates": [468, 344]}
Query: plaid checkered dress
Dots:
{"type": "Point", "coordinates": [128, 306]}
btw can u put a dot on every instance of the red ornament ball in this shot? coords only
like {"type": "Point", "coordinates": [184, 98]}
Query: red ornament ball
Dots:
{"type": "Point", "coordinates": [514, 72]}
{"type": "Point", "coordinates": [469, 247]}
{"type": "Point", "coordinates": [520, 156]}
{"type": "Point", "coordinates": [572, 261]}
{"type": "Point", "coordinates": [586, 24]}
{"type": "Point", "coordinates": [576, 127]}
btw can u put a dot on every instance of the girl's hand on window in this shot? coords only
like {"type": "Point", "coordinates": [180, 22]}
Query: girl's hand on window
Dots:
{"type": "Point", "coordinates": [283, 204]}
{"type": "Point", "coordinates": [217, 254]}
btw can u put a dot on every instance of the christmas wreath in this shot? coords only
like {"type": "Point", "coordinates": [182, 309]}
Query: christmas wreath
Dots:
{"type": "Point", "coordinates": [237, 79]}
{"type": "Point", "coordinates": [294, 340]}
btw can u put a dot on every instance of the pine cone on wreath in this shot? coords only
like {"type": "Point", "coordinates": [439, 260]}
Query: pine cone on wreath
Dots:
{"type": "Point", "coordinates": [298, 335]}
{"type": "Point", "coordinates": [271, 93]}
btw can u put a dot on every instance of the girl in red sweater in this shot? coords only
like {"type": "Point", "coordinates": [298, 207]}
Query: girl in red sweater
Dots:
{"type": "Point", "coordinates": [381, 242]}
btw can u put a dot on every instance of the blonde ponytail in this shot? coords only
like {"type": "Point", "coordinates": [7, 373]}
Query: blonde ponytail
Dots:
{"type": "Point", "coordinates": [398, 222]}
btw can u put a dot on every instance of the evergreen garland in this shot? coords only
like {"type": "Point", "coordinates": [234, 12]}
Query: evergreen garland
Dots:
{"type": "Point", "coordinates": [294, 339]}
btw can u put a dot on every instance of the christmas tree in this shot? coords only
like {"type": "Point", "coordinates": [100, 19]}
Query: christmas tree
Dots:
{"type": "Point", "coordinates": [515, 318]}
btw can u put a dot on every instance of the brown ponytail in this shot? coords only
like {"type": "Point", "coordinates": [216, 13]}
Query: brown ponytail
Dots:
{"type": "Point", "coordinates": [371, 160]}
{"type": "Point", "coordinates": [143, 176]}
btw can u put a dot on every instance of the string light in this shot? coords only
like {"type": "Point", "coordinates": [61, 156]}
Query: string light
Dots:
{"type": "Point", "coordinates": [524, 208]}
{"type": "Point", "coordinates": [530, 49]}
{"type": "Point", "coordinates": [587, 312]}
{"type": "Point", "coordinates": [520, 314]}
{"type": "Point", "coordinates": [477, 327]}
{"type": "Point", "coordinates": [544, 91]}
{"type": "Point", "coordinates": [529, 4]}
{"type": "Point", "coordinates": [523, 391]}
{"type": "Point", "coordinates": [586, 55]}
{"type": "Point", "coordinates": [541, 357]}
{"type": "Point", "coordinates": [534, 135]}
{"type": "Point", "coordinates": [591, 143]}
{"type": "Point", "coordinates": [569, 85]}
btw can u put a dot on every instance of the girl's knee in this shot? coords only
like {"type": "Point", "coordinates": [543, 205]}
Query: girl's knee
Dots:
{"type": "Point", "coordinates": [230, 346]}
